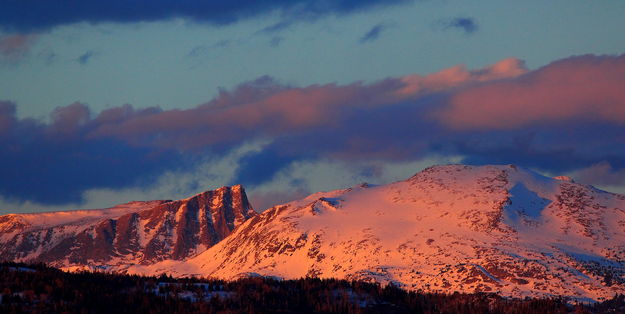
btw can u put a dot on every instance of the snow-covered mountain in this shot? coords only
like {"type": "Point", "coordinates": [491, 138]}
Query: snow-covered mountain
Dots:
{"type": "Point", "coordinates": [133, 233]}
{"type": "Point", "coordinates": [451, 228]}
{"type": "Point", "coordinates": [501, 229]}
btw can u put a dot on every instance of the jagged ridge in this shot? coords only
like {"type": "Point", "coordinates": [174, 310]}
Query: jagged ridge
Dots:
{"type": "Point", "coordinates": [137, 232]}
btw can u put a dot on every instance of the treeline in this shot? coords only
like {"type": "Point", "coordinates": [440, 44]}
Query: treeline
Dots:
{"type": "Point", "coordinates": [41, 289]}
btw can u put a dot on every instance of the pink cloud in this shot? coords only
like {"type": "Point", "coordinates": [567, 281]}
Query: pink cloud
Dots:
{"type": "Point", "coordinates": [584, 87]}
{"type": "Point", "coordinates": [504, 95]}
{"type": "Point", "coordinates": [459, 75]}
{"type": "Point", "coordinates": [263, 108]}
{"type": "Point", "coordinates": [574, 110]}
{"type": "Point", "coordinates": [233, 116]}
{"type": "Point", "coordinates": [69, 119]}
{"type": "Point", "coordinates": [15, 47]}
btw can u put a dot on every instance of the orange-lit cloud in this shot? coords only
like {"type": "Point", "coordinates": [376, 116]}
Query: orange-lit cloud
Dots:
{"type": "Point", "coordinates": [586, 88]}
{"type": "Point", "coordinates": [566, 116]}
{"type": "Point", "coordinates": [459, 75]}
{"type": "Point", "coordinates": [264, 108]}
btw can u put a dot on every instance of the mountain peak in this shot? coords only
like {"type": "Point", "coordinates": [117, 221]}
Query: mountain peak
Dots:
{"type": "Point", "coordinates": [221, 189]}
{"type": "Point", "coordinates": [497, 228]}
{"type": "Point", "coordinates": [462, 167]}
{"type": "Point", "coordinates": [564, 178]}
{"type": "Point", "coordinates": [135, 232]}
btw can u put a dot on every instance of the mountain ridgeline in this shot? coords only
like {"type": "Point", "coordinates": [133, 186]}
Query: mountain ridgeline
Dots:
{"type": "Point", "coordinates": [133, 233]}
{"type": "Point", "coordinates": [496, 229]}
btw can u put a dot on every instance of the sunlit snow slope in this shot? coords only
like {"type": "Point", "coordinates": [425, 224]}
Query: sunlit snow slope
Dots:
{"type": "Point", "coordinates": [448, 228]}
{"type": "Point", "coordinates": [128, 234]}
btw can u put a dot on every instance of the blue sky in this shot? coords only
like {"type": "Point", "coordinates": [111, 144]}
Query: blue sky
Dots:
{"type": "Point", "coordinates": [99, 58]}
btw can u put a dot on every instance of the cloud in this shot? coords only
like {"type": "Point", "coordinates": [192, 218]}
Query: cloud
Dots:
{"type": "Point", "coordinates": [13, 48]}
{"type": "Point", "coordinates": [84, 58]}
{"type": "Point", "coordinates": [53, 163]}
{"type": "Point", "coordinates": [601, 173]}
{"type": "Point", "coordinates": [466, 24]}
{"type": "Point", "coordinates": [276, 41]}
{"type": "Point", "coordinates": [373, 33]}
{"type": "Point", "coordinates": [265, 108]}
{"type": "Point", "coordinates": [35, 15]}
{"type": "Point", "coordinates": [302, 178]}
{"type": "Point", "coordinates": [561, 118]}
{"type": "Point", "coordinates": [276, 27]}
{"type": "Point", "coordinates": [201, 50]}
{"type": "Point", "coordinates": [205, 174]}
{"type": "Point", "coordinates": [265, 200]}
{"type": "Point", "coordinates": [67, 121]}
{"type": "Point", "coordinates": [583, 88]}
{"type": "Point", "coordinates": [7, 116]}
{"type": "Point", "coordinates": [460, 75]}
{"type": "Point", "coordinates": [47, 56]}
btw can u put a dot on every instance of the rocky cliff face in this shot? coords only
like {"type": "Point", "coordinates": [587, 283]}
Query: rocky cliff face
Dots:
{"type": "Point", "coordinates": [448, 228]}
{"type": "Point", "coordinates": [133, 233]}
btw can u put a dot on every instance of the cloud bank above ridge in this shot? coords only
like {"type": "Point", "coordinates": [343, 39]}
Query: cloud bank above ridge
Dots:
{"type": "Point", "coordinates": [564, 117]}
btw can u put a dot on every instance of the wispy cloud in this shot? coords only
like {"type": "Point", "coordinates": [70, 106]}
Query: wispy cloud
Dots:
{"type": "Point", "coordinates": [373, 34]}
{"type": "Point", "coordinates": [276, 27]}
{"type": "Point", "coordinates": [86, 57]}
{"type": "Point", "coordinates": [201, 50]}
{"type": "Point", "coordinates": [602, 173]}
{"type": "Point", "coordinates": [48, 56]}
{"type": "Point", "coordinates": [467, 25]}
{"type": "Point", "coordinates": [276, 41]}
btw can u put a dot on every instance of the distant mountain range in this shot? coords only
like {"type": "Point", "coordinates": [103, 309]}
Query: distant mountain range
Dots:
{"type": "Point", "coordinates": [500, 229]}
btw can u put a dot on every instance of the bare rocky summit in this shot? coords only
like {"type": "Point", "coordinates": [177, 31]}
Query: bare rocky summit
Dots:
{"type": "Point", "coordinates": [134, 233]}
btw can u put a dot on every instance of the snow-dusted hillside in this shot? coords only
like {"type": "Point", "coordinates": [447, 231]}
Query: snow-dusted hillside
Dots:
{"type": "Point", "coordinates": [133, 233]}
{"type": "Point", "coordinates": [448, 228]}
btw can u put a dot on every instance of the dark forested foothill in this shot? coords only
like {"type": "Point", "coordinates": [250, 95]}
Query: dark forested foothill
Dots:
{"type": "Point", "coordinates": [38, 288]}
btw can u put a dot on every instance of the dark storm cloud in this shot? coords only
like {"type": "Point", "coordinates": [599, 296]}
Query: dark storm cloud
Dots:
{"type": "Point", "coordinates": [567, 116]}
{"type": "Point", "coordinates": [36, 15]}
